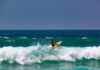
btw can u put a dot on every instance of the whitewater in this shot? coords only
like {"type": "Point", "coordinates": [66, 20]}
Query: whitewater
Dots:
{"type": "Point", "coordinates": [41, 53]}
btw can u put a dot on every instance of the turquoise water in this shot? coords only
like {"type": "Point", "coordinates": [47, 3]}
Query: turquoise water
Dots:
{"type": "Point", "coordinates": [31, 50]}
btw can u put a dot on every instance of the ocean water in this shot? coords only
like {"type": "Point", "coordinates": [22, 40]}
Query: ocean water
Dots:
{"type": "Point", "coordinates": [31, 50]}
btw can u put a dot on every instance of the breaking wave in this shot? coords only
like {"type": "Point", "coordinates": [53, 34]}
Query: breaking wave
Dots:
{"type": "Point", "coordinates": [41, 53]}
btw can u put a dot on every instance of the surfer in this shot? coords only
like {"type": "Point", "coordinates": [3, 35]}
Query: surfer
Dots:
{"type": "Point", "coordinates": [52, 43]}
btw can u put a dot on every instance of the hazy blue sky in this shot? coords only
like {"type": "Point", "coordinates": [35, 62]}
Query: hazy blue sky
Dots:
{"type": "Point", "coordinates": [49, 14]}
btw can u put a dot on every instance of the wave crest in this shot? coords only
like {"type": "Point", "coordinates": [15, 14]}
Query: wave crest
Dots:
{"type": "Point", "coordinates": [40, 53]}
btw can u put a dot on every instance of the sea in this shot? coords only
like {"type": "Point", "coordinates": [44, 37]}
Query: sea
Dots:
{"type": "Point", "coordinates": [31, 50]}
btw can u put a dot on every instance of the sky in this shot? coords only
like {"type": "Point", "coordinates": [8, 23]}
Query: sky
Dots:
{"type": "Point", "coordinates": [49, 14]}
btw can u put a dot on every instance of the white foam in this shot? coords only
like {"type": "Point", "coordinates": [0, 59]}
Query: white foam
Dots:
{"type": "Point", "coordinates": [34, 38]}
{"type": "Point", "coordinates": [84, 38]}
{"type": "Point", "coordinates": [40, 53]}
{"type": "Point", "coordinates": [6, 37]}
{"type": "Point", "coordinates": [48, 37]}
{"type": "Point", "coordinates": [23, 37]}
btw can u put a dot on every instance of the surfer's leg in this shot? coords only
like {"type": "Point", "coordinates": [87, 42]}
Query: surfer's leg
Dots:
{"type": "Point", "coordinates": [57, 44]}
{"type": "Point", "coordinates": [53, 46]}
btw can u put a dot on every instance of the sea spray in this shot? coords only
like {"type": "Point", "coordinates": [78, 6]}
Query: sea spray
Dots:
{"type": "Point", "coordinates": [41, 53]}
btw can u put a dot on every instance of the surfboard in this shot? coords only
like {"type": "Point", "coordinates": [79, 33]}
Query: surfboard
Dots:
{"type": "Point", "coordinates": [57, 44]}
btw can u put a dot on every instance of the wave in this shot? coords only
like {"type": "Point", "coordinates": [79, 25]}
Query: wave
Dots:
{"type": "Point", "coordinates": [34, 38]}
{"type": "Point", "coordinates": [4, 37]}
{"type": "Point", "coordinates": [84, 38]}
{"type": "Point", "coordinates": [67, 41]}
{"type": "Point", "coordinates": [10, 40]}
{"type": "Point", "coordinates": [41, 53]}
{"type": "Point", "coordinates": [23, 37]}
{"type": "Point", "coordinates": [48, 37]}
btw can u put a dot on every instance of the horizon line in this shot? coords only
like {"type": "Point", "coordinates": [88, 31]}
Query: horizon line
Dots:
{"type": "Point", "coordinates": [49, 29]}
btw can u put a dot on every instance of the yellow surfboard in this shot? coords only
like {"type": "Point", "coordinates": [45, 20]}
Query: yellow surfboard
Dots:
{"type": "Point", "coordinates": [57, 44]}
